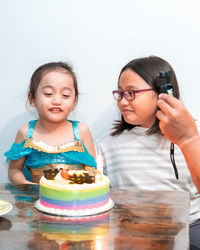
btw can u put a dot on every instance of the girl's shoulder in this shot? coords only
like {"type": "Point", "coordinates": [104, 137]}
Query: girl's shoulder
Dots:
{"type": "Point", "coordinates": [83, 129]}
{"type": "Point", "coordinates": [22, 133]}
{"type": "Point", "coordinates": [80, 129]}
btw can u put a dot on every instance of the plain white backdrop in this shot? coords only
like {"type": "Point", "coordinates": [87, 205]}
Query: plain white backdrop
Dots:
{"type": "Point", "coordinates": [97, 38]}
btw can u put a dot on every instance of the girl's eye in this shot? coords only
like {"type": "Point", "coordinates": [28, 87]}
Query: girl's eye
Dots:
{"type": "Point", "coordinates": [48, 94]}
{"type": "Point", "coordinates": [131, 93]}
{"type": "Point", "coordinates": [66, 96]}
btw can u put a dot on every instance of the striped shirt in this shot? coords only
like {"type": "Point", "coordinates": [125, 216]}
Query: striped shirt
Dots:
{"type": "Point", "coordinates": [134, 159]}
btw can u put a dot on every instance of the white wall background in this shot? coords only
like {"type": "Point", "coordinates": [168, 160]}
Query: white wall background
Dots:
{"type": "Point", "coordinates": [97, 38]}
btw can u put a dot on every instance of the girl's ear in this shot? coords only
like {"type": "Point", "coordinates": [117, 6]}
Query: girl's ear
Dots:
{"type": "Point", "coordinates": [75, 102]}
{"type": "Point", "coordinates": [31, 100]}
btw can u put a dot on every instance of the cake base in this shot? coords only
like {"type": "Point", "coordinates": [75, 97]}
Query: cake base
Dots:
{"type": "Point", "coordinates": [73, 213]}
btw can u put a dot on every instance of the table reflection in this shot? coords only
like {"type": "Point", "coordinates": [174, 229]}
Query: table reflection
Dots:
{"type": "Point", "coordinates": [80, 232]}
{"type": "Point", "coordinates": [139, 220]}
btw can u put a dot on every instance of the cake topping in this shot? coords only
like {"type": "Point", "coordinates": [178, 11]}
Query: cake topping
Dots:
{"type": "Point", "coordinates": [65, 174]}
{"type": "Point", "coordinates": [50, 174]}
{"type": "Point", "coordinates": [72, 176]}
{"type": "Point", "coordinates": [80, 177]}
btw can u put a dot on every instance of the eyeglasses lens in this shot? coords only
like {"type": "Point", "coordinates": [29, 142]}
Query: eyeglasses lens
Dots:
{"type": "Point", "coordinates": [129, 94]}
{"type": "Point", "coordinates": [117, 95]}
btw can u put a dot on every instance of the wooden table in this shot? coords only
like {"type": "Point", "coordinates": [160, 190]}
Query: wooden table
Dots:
{"type": "Point", "coordinates": [139, 220]}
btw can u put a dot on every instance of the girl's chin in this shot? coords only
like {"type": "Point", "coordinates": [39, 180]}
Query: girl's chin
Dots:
{"type": "Point", "coordinates": [136, 123]}
{"type": "Point", "coordinates": [130, 121]}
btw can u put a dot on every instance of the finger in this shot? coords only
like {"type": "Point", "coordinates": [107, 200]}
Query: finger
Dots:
{"type": "Point", "coordinates": [165, 107]}
{"type": "Point", "coordinates": [171, 100]}
{"type": "Point", "coordinates": [161, 116]}
{"type": "Point", "coordinates": [162, 120]}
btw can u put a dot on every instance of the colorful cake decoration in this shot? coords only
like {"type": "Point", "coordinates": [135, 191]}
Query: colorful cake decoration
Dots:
{"type": "Point", "coordinates": [50, 174]}
{"type": "Point", "coordinates": [73, 176]}
{"type": "Point", "coordinates": [81, 191]}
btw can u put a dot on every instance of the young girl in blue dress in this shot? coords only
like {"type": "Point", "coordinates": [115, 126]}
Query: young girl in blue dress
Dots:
{"type": "Point", "coordinates": [52, 140]}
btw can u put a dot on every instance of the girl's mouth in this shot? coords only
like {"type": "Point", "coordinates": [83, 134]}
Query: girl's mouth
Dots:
{"type": "Point", "coordinates": [56, 110]}
{"type": "Point", "coordinates": [126, 111]}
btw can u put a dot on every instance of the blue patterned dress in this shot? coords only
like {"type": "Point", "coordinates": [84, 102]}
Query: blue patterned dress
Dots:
{"type": "Point", "coordinates": [39, 156]}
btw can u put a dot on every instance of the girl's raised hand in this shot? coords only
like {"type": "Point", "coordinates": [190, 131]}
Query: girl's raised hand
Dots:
{"type": "Point", "coordinates": [176, 123]}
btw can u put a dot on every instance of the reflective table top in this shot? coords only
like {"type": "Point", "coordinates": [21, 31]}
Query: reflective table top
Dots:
{"type": "Point", "coordinates": [139, 220]}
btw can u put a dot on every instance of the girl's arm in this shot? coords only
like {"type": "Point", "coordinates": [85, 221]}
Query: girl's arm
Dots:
{"type": "Point", "coordinates": [15, 170]}
{"type": "Point", "coordinates": [191, 151]}
{"type": "Point", "coordinates": [177, 124]}
{"type": "Point", "coordinates": [86, 137]}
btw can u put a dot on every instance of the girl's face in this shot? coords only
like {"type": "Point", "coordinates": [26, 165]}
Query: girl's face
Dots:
{"type": "Point", "coordinates": [55, 96]}
{"type": "Point", "coordinates": [140, 111]}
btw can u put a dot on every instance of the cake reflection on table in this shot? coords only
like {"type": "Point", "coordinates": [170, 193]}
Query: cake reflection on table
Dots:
{"type": "Point", "coordinates": [65, 229]}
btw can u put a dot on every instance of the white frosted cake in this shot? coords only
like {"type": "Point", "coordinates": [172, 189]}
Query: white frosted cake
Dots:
{"type": "Point", "coordinates": [74, 192]}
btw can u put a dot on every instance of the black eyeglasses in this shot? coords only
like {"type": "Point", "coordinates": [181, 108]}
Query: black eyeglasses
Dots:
{"type": "Point", "coordinates": [127, 94]}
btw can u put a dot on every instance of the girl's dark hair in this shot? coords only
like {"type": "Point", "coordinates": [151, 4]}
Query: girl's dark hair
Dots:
{"type": "Point", "coordinates": [48, 67]}
{"type": "Point", "coordinates": [148, 68]}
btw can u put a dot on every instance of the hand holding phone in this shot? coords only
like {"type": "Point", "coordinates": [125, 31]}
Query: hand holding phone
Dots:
{"type": "Point", "coordinates": [166, 87]}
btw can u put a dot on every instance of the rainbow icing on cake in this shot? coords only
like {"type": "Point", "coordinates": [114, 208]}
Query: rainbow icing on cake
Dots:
{"type": "Point", "coordinates": [79, 194]}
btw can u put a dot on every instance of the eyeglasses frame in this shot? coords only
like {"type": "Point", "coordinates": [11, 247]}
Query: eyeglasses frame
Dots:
{"type": "Point", "coordinates": [122, 93]}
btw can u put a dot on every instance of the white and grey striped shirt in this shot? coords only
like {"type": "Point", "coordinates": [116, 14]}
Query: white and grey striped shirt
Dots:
{"type": "Point", "coordinates": [136, 160]}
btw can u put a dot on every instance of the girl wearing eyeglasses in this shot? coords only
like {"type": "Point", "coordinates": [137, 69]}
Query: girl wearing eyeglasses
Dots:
{"type": "Point", "coordinates": [136, 154]}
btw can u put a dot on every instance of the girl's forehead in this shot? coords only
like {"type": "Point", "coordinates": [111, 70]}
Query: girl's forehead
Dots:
{"type": "Point", "coordinates": [57, 78]}
{"type": "Point", "coordinates": [55, 72]}
{"type": "Point", "coordinates": [130, 79]}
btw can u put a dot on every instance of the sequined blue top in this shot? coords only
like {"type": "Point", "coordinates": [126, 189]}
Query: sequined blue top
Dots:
{"type": "Point", "coordinates": [39, 154]}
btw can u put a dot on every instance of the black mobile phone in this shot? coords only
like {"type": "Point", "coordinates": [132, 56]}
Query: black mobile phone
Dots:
{"type": "Point", "coordinates": [166, 86]}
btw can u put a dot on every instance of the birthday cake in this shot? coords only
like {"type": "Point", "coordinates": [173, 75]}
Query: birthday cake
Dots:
{"type": "Point", "coordinates": [80, 192]}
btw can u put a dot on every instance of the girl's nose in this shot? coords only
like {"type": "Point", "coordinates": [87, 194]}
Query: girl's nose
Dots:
{"type": "Point", "coordinates": [123, 101]}
{"type": "Point", "coordinates": [56, 100]}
